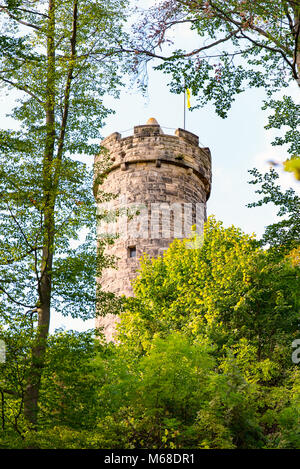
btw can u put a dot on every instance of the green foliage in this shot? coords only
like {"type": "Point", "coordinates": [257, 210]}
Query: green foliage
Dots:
{"type": "Point", "coordinates": [36, 184]}
{"type": "Point", "coordinates": [293, 166]}
{"type": "Point", "coordinates": [226, 290]}
{"type": "Point", "coordinates": [286, 114]}
{"type": "Point", "coordinates": [69, 383]}
{"type": "Point", "coordinates": [284, 234]}
{"type": "Point", "coordinates": [200, 77]}
{"type": "Point", "coordinates": [17, 336]}
{"type": "Point", "coordinates": [239, 45]}
{"type": "Point", "coordinates": [64, 62]}
{"type": "Point", "coordinates": [174, 397]}
{"type": "Point", "coordinates": [203, 358]}
{"type": "Point", "coordinates": [281, 419]}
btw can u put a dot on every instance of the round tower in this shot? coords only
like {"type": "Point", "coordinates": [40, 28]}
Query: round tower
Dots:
{"type": "Point", "coordinates": [160, 184]}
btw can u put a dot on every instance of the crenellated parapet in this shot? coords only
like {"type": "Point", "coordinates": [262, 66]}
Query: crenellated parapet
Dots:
{"type": "Point", "coordinates": [150, 145]}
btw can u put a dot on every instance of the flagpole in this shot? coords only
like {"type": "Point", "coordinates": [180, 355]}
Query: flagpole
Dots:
{"type": "Point", "coordinates": [184, 109]}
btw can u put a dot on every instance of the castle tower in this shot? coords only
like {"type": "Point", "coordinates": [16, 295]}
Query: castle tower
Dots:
{"type": "Point", "coordinates": [163, 181]}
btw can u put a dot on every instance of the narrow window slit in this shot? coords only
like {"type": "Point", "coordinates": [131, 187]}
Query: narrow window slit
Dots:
{"type": "Point", "coordinates": [132, 251]}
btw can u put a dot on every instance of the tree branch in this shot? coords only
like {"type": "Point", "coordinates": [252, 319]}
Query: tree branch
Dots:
{"type": "Point", "coordinates": [61, 137]}
{"type": "Point", "coordinates": [272, 49]}
{"type": "Point", "coordinates": [12, 261]}
{"type": "Point", "coordinates": [189, 54]}
{"type": "Point", "coordinates": [19, 226]}
{"type": "Point", "coordinates": [22, 88]}
{"type": "Point", "coordinates": [25, 23]}
{"type": "Point", "coordinates": [15, 301]}
{"type": "Point", "coordinates": [8, 391]}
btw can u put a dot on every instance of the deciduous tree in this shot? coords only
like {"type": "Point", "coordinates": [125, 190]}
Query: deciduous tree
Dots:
{"type": "Point", "coordinates": [61, 57]}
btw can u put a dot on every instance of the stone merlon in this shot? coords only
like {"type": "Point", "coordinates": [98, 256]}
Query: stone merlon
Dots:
{"type": "Point", "coordinates": [149, 144]}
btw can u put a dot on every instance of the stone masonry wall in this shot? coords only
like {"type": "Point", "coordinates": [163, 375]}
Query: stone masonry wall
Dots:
{"type": "Point", "coordinates": [164, 179]}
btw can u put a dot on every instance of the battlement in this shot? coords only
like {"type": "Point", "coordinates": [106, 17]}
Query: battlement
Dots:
{"type": "Point", "coordinates": [150, 145]}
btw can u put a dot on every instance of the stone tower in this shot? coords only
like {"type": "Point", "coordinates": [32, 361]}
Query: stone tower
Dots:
{"type": "Point", "coordinates": [162, 182]}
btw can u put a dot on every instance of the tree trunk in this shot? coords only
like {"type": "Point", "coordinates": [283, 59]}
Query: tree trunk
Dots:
{"type": "Point", "coordinates": [49, 195]}
{"type": "Point", "coordinates": [297, 38]}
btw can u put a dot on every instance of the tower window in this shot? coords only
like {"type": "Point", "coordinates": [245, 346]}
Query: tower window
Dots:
{"type": "Point", "coordinates": [132, 251]}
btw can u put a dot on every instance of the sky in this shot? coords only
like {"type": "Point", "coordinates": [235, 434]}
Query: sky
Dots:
{"type": "Point", "coordinates": [237, 144]}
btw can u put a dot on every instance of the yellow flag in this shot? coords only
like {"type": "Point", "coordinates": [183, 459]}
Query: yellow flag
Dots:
{"type": "Point", "coordinates": [188, 96]}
